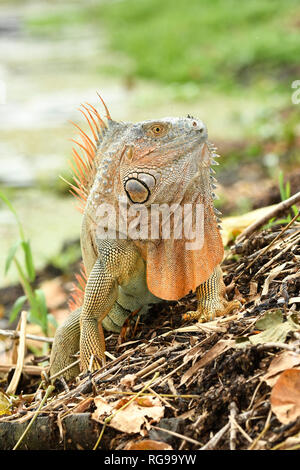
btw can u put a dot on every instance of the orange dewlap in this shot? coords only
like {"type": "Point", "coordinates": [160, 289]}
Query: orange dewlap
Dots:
{"type": "Point", "coordinates": [173, 271]}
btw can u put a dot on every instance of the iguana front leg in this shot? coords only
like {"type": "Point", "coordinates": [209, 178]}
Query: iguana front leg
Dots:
{"type": "Point", "coordinates": [212, 300]}
{"type": "Point", "coordinates": [115, 266]}
{"type": "Point", "coordinates": [100, 295]}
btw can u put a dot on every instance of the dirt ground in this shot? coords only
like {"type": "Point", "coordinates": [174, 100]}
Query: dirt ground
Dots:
{"type": "Point", "coordinates": [231, 383]}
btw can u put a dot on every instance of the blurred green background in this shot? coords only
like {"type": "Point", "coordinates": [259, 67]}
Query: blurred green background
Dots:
{"type": "Point", "coordinates": [230, 63]}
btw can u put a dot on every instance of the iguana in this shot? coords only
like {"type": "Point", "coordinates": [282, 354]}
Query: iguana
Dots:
{"type": "Point", "coordinates": [140, 166]}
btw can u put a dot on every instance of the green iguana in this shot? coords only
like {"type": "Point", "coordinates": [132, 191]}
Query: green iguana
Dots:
{"type": "Point", "coordinates": [125, 170]}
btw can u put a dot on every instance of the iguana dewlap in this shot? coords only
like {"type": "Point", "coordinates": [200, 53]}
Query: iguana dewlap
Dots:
{"type": "Point", "coordinates": [129, 172]}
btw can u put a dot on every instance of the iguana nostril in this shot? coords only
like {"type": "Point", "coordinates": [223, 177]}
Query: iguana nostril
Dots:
{"type": "Point", "coordinates": [137, 191]}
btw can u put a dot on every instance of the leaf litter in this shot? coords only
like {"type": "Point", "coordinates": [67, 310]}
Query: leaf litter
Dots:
{"type": "Point", "coordinates": [232, 383]}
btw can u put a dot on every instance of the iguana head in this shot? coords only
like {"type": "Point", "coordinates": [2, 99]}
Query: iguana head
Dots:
{"type": "Point", "coordinates": [157, 159]}
{"type": "Point", "coordinates": [163, 161]}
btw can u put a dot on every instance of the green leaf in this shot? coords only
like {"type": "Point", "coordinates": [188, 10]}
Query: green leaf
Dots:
{"type": "Point", "coordinates": [28, 260]}
{"type": "Point", "coordinates": [52, 320]}
{"type": "Point", "coordinates": [41, 302]}
{"type": "Point", "coordinates": [241, 342]}
{"type": "Point", "coordinates": [287, 190]}
{"type": "Point", "coordinates": [11, 255]}
{"type": "Point", "coordinates": [12, 209]}
{"type": "Point", "coordinates": [9, 204]}
{"type": "Point", "coordinates": [17, 307]}
{"type": "Point", "coordinates": [269, 320]}
{"type": "Point", "coordinates": [276, 333]}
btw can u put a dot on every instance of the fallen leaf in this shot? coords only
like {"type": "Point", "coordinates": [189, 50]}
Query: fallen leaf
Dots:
{"type": "Point", "coordinates": [281, 362]}
{"type": "Point", "coordinates": [103, 408]}
{"type": "Point", "coordinates": [147, 444]}
{"type": "Point", "coordinates": [151, 350]}
{"type": "Point", "coordinates": [276, 333]}
{"type": "Point", "coordinates": [253, 288]}
{"type": "Point", "coordinates": [4, 404]}
{"type": "Point", "coordinates": [132, 417]}
{"type": "Point", "coordinates": [232, 226]}
{"type": "Point", "coordinates": [269, 320]}
{"type": "Point", "coordinates": [290, 442]}
{"type": "Point", "coordinates": [285, 396]}
{"type": "Point", "coordinates": [272, 275]}
{"type": "Point", "coordinates": [82, 406]}
{"type": "Point", "coordinates": [128, 380]}
{"type": "Point", "coordinates": [220, 347]}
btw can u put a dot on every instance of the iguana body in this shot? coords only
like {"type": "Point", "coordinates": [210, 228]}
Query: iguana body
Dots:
{"type": "Point", "coordinates": [132, 166]}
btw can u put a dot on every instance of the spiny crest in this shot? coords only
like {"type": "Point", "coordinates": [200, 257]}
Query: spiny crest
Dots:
{"type": "Point", "coordinates": [83, 163]}
{"type": "Point", "coordinates": [76, 299]}
{"type": "Point", "coordinates": [83, 168]}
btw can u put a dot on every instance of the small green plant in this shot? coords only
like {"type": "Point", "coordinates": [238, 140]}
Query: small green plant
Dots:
{"type": "Point", "coordinates": [285, 193]}
{"type": "Point", "coordinates": [38, 312]}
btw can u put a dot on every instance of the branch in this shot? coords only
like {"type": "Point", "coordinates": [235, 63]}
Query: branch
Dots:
{"type": "Point", "coordinates": [284, 205]}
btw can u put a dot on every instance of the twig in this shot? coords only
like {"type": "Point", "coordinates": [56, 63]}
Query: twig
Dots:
{"type": "Point", "coordinates": [279, 345]}
{"type": "Point", "coordinates": [27, 369]}
{"type": "Point", "coordinates": [269, 245]}
{"type": "Point", "coordinates": [48, 392]}
{"type": "Point", "coordinates": [162, 398]}
{"type": "Point", "coordinates": [11, 389]}
{"type": "Point", "coordinates": [275, 258]}
{"type": "Point", "coordinates": [216, 438]}
{"type": "Point", "coordinates": [273, 212]}
{"type": "Point", "coordinates": [15, 334]}
{"type": "Point", "coordinates": [150, 368]}
{"type": "Point", "coordinates": [180, 436]}
{"type": "Point", "coordinates": [109, 418]}
{"type": "Point", "coordinates": [168, 395]}
{"type": "Point", "coordinates": [57, 374]}
{"type": "Point", "coordinates": [211, 444]}
{"type": "Point", "coordinates": [233, 412]}
{"type": "Point", "coordinates": [242, 431]}
{"type": "Point", "coordinates": [266, 427]}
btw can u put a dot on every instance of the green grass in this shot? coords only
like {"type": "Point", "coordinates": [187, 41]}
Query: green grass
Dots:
{"type": "Point", "coordinates": [219, 43]}
{"type": "Point", "coordinates": [38, 312]}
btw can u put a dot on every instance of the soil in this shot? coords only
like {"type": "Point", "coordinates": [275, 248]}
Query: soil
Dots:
{"type": "Point", "coordinates": [196, 397]}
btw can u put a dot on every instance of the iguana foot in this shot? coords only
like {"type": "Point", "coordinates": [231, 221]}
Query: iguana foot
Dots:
{"type": "Point", "coordinates": [205, 314]}
{"type": "Point", "coordinates": [212, 300]}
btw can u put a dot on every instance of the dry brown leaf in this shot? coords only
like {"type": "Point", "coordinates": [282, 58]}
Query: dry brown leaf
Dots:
{"type": "Point", "coordinates": [220, 347]}
{"type": "Point", "coordinates": [290, 442]}
{"type": "Point", "coordinates": [82, 406]}
{"type": "Point", "coordinates": [285, 396]}
{"type": "Point", "coordinates": [102, 408]}
{"type": "Point", "coordinates": [253, 288]}
{"type": "Point", "coordinates": [4, 404]}
{"type": "Point", "coordinates": [232, 226]}
{"type": "Point", "coordinates": [133, 417]}
{"type": "Point", "coordinates": [281, 362]}
{"type": "Point", "coordinates": [128, 380]}
{"type": "Point", "coordinates": [147, 444]}
{"type": "Point", "coordinates": [272, 275]}
{"type": "Point", "coordinates": [151, 349]}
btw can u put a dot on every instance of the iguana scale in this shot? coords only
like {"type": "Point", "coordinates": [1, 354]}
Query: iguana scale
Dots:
{"type": "Point", "coordinates": [165, 161]}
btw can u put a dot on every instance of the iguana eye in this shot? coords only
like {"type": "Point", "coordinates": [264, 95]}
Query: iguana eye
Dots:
{"type": "Point", "coordinates": [157, 130]}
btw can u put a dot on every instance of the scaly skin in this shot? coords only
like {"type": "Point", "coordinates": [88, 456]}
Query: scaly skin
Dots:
{"type": "Point", "coordinates": [153, 162]}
